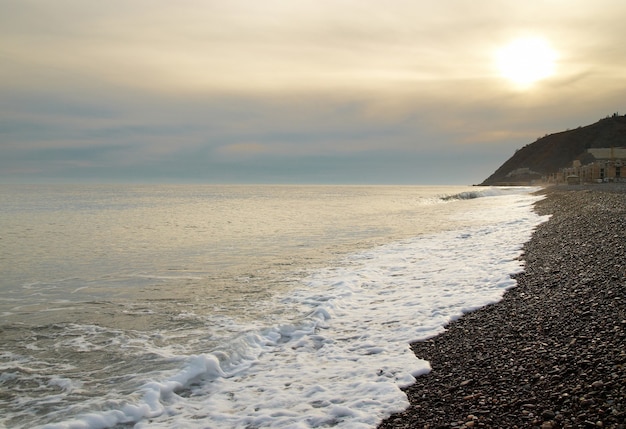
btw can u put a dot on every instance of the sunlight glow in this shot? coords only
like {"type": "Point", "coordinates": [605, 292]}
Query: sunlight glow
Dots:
{"type": "Point", "coordinates": [526, 61]}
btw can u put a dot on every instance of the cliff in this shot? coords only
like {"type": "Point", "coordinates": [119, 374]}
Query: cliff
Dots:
{"type": "Point", "coordinates": [555, 151]}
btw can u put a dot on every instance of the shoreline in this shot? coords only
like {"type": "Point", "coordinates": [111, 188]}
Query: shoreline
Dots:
{"type": "Point", "coordinates": [552, 353]}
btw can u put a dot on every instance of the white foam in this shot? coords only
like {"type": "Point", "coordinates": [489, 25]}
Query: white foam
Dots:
{"type": "Point", "coordinates": [65, 384]}
{"type": "Point", "coordinates": [479, 192]}
{"type": "Point", "coordinates": [344, 362]}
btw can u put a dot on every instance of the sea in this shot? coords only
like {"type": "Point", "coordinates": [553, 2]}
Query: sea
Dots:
{"type": "Point", "coordinates": [232, 306]}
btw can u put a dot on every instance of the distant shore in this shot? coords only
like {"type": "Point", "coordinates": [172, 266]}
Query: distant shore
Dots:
{"type": "Point", "coordinates": [552, 353]}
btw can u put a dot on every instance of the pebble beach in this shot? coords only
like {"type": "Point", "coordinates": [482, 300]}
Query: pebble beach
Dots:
{"type": "Point", "coordinates": [552, 353]}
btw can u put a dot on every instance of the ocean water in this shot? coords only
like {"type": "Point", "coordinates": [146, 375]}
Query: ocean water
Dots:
{"type": "Point", "coordinates": [238, 306]}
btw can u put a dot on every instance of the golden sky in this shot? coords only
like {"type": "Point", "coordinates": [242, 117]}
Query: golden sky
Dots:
{"type": "Point", "coordinates": [295, 91]}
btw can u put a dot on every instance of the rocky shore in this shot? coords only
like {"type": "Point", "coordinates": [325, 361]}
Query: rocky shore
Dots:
{"type": "Point", "coordinates": [552, 353]}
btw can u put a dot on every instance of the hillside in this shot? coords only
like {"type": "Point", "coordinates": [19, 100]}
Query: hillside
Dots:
{"type": "Point", "coordinates": [555, 151]}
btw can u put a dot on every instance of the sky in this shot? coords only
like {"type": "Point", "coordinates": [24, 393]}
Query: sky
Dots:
{"type": "Point", "coordinates": [294, 91]}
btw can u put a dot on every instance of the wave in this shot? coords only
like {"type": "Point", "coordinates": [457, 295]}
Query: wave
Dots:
{"type": "Point", "coordinates": [491, 191]}
{"type": "Point", "coordinates": [345, 358]}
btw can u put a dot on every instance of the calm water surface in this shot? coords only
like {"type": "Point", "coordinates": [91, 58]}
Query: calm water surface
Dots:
{"type": "Point", "coordinates": [216, 247]}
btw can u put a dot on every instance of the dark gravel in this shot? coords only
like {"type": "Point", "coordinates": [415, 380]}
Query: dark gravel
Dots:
{"type": "Point", "coordinates": [552, 353]}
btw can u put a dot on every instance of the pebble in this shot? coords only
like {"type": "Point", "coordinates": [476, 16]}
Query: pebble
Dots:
{"type": "Point", "coordinates": [551, 353]}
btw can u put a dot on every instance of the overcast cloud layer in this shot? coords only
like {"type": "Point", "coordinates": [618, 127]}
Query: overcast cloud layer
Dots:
{"type": "Point", "coordinates": [291, 91]}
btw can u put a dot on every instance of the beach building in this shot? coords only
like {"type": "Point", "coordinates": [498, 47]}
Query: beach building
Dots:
{"type": "Point", "coordinates": [606, 165]}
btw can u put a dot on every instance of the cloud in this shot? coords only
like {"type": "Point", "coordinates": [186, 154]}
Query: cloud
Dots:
{"type": "Point", "coordinates": [235, 46]}
{"type": "Point", "coordinates": [290, 91]}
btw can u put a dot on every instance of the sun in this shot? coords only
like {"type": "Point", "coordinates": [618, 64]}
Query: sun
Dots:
{"type": "Point", "coordinates": [525, 61]}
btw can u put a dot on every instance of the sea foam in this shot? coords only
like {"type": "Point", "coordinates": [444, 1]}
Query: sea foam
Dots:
{"type": "Point", "coordinates": [344, 360]}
